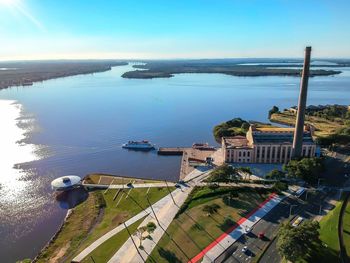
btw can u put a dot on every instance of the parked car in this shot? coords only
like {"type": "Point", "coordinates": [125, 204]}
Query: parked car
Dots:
{"type": "Point", "coordinates": [261, 235]}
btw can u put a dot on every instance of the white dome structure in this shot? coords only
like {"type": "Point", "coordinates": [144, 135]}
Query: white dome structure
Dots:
{"type": "Point", "coordinates": [65, 183]}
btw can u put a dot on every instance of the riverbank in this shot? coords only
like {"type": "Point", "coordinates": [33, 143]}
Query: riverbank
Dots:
{"type": "Point", "coordinates": [26, 73]}
{"type": "Point", "coordinates": [102, 211]}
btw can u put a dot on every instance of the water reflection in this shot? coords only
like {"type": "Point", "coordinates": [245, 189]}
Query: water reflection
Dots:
{"type": "Point", "coordinates": [72, 198]}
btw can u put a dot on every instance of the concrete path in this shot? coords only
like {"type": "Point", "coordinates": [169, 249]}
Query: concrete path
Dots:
{"type": "Point", "coordinates": [227, 239]}
{"type": "Point", "coordinates": [124, 186]}
{"type": "Point", "coordinates": [110, 234]}
{"type": "Point", "coordinates": [165, 212]}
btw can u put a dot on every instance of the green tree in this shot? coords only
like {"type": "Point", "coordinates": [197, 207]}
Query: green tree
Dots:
{"type": "Point", "coordinates": [211, 209]}
{"type": "Point", "coordinates": [274, 109]}
{"type": "Point", "coordinates": [222, 173]}
{"type": "Point", "coordinates": [275, 174]}
{"type": "Point", "coordinates": [141, 231]}
{"type": "Point", "coordinates": [308, 169]}
{"type": "Point", "coordinates": [296, 243]}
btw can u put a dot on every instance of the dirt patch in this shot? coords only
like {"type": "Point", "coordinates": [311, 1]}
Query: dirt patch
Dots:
{"type": "Point", "coordinates": [61, 252]}
{"type": "Point", "coordinates": [120, 218]}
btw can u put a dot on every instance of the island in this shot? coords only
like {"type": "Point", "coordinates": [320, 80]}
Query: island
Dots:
{"type": "Point", "coordinates": [25, 73]}
{"type": "Point", "coordinates": [167, 69]}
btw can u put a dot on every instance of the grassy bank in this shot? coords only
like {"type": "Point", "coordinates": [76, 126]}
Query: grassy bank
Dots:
{"type": "Point", "coordinates": [194, 229]}
{"type": "Point", "coordinates": [75, 229]}
{"type": "Point", "coordinates": [127, 208]}
{"type": "Point", "coordinates": [89, 221]}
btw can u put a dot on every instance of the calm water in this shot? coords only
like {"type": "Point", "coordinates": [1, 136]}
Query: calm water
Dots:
{"type": "Point", "coordinates": [76, 125]}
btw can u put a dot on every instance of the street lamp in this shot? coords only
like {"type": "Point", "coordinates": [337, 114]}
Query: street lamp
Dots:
{"type": "Point", "coordinates": [318, 182]}
{"type": "Point", "coordinates": [290, 210]}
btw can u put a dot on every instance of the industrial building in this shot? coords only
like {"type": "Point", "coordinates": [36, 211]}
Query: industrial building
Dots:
{"type": "Point", "coordinates": [266, 145]}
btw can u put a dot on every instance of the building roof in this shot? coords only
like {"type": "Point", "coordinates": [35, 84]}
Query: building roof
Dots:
{"type": "Point", "coordinates": [273, 129]}
{"type": "Point", "coordinates": [280, 138]}
{"type": "Point", "coordinates": [236, 142]}
{"type": "Point", "coordinates": [65, 182]}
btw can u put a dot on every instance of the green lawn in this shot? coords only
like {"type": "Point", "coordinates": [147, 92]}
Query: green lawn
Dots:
{"type": "Point", "coordinates": [190, 234]}
{"type": "Point", "coordinates": [74, 230]}
{"type": "Point", "coordinates": [329, 236]}
{"type": "Point", "coordinates": [85, 225]}
{"type": "Point", "coordinates": [127, 208]}
{"type": "Point", "coordinates": [346, 234]}
{"type": "Point", "coordinates": [105, 251]}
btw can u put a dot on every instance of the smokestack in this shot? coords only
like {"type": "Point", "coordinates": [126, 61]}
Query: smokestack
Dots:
{"type": "Point", "coordinates": [299, 124]}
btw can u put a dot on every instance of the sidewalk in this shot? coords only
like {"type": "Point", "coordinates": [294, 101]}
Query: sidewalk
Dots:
{"type": "Point", "coordinates": [165, 212]}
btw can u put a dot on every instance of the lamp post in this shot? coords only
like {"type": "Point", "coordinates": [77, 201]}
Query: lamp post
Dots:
{"type": "Point", "coordinates": [290, 209]}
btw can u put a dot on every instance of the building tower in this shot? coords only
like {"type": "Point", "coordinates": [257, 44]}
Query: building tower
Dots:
{"type": "Point", "coordinates": [299, 124]}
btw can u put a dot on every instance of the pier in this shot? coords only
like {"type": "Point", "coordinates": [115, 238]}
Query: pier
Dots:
{"type": "Point", "coordinates": [172, 151]}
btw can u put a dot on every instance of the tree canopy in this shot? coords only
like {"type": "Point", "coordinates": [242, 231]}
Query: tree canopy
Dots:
{"type": "Point", "coordinates": [308, 169]}
{"type": "Point", "coordinates": [296, 243]}
{"type": "Point", "coordinates": [233, 127]}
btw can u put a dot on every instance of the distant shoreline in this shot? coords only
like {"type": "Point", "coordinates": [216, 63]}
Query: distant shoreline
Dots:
{"type": "Point", "coordinates": [169, 69]}
{"type": "Point", "coordinates": [27, 73]}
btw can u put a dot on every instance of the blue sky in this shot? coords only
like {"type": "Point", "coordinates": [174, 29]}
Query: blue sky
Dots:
{"type": "Point", "coordinates": [37, 29]}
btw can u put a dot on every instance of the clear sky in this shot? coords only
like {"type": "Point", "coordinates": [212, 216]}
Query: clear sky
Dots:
{"type": "Point", "coordinates": [43, 29]}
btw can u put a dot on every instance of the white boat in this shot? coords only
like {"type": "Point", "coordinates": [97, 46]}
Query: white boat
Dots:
{"type": "Point", "coordinates": [138, 145]}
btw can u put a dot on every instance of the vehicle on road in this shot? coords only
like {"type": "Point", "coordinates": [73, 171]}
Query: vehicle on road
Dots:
{"type": "Point", "coordinates": [298, 221]}
{"type": "Point", "coordinates": [129, 184]}
{"type": "Point", "coordinates": [245, 249]}
{"type": "Point", "coordinates": [261, 235]}
{"type": "Point", "coordinates": [248, 230]}
{"type": "Point", "coordinates": [300, 191]}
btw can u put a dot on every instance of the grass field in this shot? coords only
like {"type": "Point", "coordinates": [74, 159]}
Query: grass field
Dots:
{"type": "Point", "coordinates": [323, 127]}
{"type": "Point", "coordinates": [85, 225]}
{"type": "Point", "coordinates": [346, 230]}
{"type": "Point", "coordinates": [193, 229]}
{"type": "Point", "coordinates": [105, 251]}
{"type": "Point", "coordinates": [108, 179]}
{"type": "Point", "coordinates": [127, 208]}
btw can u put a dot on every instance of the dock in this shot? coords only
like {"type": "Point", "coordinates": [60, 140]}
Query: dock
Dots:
{"type": "Point", "coordinates": [172, 151]}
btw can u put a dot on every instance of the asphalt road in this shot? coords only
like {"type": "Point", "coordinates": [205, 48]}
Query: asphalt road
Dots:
{"type": "Point", "coordinates": [269, 225]}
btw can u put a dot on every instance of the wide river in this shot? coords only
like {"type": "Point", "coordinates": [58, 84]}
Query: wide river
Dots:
{"type": "Point", "coordinates": [76, 125]}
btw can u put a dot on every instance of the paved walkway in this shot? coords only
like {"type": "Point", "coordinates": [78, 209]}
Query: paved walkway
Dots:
{"type": "Point", "coordinates": [166, 202]}
{"type": "Point", "coordinates": [223, 242]}
{"type": "Point", "coordinates": [124, 186]}
{"type": "Point", "coordinates": [165, 213]}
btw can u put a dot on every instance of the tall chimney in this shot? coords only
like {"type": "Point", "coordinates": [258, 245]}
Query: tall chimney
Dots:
{"type": "Point", "coordinates": [299, 124]}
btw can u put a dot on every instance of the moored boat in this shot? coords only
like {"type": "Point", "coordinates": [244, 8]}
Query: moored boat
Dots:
{"type": "Point", "coordinates": [138, 145]}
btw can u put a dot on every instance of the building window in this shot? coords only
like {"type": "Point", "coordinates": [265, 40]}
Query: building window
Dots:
{"type": "Point", "coordinates": [248, 154]}
{"type": "Point", "coordinates": [243, 154]}
{"type": "Point", "coordinates": [288, 152]}
{"type": "Point", "coordinates": [240, 154]}
{"type": "Point", "coordinates": [239, 160]}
